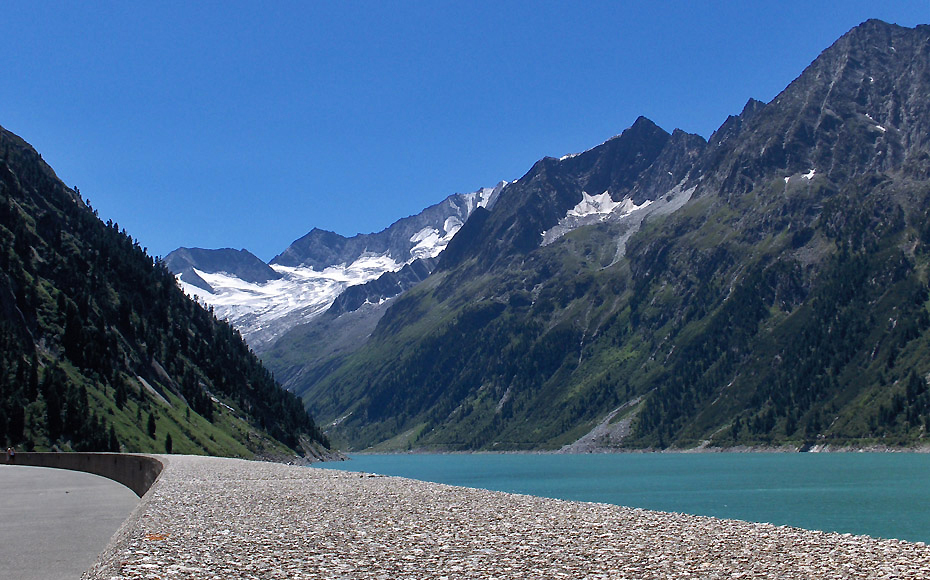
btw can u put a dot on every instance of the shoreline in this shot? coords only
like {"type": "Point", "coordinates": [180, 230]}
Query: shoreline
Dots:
{"type": "Point", "coordinates": [824, 448]}
{"type": "Point", "coordinates": [211, 517]}
{"type": "Point", "coordinates": [816, 493]}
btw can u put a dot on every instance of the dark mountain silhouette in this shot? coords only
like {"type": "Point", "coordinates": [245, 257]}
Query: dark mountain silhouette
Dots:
{"type": "Point", "coordinates": [99, 348]}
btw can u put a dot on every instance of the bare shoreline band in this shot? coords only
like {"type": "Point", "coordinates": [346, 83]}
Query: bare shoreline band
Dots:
{"type": "Point", "coordinates": [226, 518]}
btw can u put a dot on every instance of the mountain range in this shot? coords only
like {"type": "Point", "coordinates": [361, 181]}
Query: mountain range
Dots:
{"type": "Point", "coordinates": [266, 300]}
{"type": "Point", "coordinates": [767, 286]}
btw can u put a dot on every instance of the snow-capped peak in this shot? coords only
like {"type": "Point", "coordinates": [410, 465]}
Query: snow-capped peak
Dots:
{"type": "Point", "coordinates": [263, 310]}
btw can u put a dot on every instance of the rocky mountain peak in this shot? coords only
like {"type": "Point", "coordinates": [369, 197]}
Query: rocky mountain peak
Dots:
{"type": "Point", "coordinates": [239, 263]}
{"type": "Point", "coordinates": [557, 195]}
{"type": "Point", "coordinates": [318, 248]}
{"type": "Point", "coordinates": [859, 107]}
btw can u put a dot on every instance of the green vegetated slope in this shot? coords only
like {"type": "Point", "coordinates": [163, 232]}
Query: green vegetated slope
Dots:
{"type": "Point", "coordinates": [99, 348]}
{"type": "Point", "coordinates": [785, 303]}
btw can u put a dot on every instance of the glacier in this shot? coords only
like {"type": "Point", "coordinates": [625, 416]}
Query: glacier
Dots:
{"type": "Point", "coordinates": [263, 311]}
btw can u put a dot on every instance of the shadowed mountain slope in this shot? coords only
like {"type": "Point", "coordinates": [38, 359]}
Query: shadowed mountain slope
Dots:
{"type": "Point", "coordinates": [99, 348]}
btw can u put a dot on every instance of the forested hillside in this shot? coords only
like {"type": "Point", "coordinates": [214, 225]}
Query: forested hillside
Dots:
{"type": "Point", "coordinates": [776, 295]}
{"type": "Point", "coordinates": [99, 348]}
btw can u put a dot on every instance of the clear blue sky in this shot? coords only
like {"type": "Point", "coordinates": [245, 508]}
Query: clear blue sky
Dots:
{"type": "Point", "coordinates": [246, 124]}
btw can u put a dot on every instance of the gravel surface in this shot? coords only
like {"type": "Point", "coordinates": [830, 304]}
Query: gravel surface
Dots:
{"type": "Point", "coordinates": [217, 518]}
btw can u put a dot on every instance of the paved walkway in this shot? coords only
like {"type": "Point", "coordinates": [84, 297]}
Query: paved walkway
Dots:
{"type": "Point", "coordinates": [210, 518]}
{"type": "Point", "coordinates": [54, 523]}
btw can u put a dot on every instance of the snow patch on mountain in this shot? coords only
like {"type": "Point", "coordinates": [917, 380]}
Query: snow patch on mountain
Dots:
{"type": "Point", "coordinates": [591, 210]}
{"type": "Point", "coordinates": [603, 204]}
{"type": "Point", "coordinates": [426, 240]}
{"type": "Point", "coordinates": [808, 176]}
{"type": "Point", "coordinates": [673, 200]}
{"type": "Point", "coordinates": [484, 197]}
{"type": "Point", "coordinates": [430, 242]}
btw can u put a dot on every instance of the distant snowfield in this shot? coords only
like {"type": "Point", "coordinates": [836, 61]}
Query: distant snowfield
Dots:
{"type": "Point", "coordinates": [430, 241]}
{"type": "Point", "coordinates": [262, 312]}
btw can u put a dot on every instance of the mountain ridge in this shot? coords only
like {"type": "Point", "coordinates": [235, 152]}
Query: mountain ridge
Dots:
{"type": "Point", "coordinates": [264, 301]}
{"type": "Point", "coordinates": [795, 216]}
{"type": "Point", "coordinates": [240, 263]}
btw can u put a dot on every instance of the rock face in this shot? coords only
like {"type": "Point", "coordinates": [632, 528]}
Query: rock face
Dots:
{"type": "Point", "coordinates": [386, 286]}
{"type": "Point", "coordinates": [225, 518]}
{"type": "Point", "coordinates": [855, 110]}
{"type": "Point", "coordinates": [765, 287]}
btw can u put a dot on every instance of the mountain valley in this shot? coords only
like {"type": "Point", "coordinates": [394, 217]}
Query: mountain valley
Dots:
{"type": "Point", "coordinates": [101, 351]}
{"type": "Point", "coordinates": [767, 286]}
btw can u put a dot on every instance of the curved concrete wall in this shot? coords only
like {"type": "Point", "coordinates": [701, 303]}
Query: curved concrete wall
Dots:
{"type": "Point", "coordinates": [137, 472]}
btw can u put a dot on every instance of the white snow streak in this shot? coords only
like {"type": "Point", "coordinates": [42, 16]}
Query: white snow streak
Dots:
{"type": "Point", "coordinates": [602, 204]}
{"type": "Point", "coordinates": [486, 196]}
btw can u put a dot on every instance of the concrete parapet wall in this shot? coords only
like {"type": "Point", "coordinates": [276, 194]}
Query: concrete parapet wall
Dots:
{"type": "Point", "coordinates": [137, 472]}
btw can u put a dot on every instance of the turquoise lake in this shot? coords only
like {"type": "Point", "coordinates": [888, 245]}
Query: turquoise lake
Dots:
{"type": "Point", "coordinates": [884, 495]}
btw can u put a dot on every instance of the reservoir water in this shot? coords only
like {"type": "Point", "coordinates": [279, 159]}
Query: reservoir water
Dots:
{"type": "Point", "coordinates": [885, 495]}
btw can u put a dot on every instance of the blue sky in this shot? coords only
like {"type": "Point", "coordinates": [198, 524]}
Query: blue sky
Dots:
{"type": "Point", "coordinates": [246, 124]}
